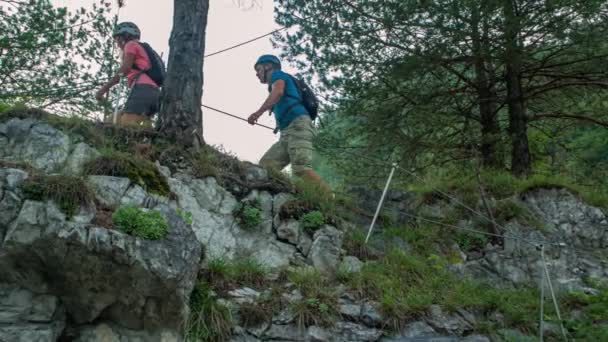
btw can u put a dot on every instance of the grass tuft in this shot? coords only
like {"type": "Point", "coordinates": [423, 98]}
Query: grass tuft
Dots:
{"type": "Point", "coordinates": [209, 320]}
{"type": "Point", "coordinates": [68, 192]}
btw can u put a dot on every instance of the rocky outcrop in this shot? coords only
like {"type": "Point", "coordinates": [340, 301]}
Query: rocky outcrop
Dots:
{"type": "Point", "coordinates": [573, 235]}
{"type": "Point", "coordinates": [42, 146]}
{"type": "Point", "coordinates": [96, 274]}
{"type": "Point", "coordinates": [397, 209]}
{"type": "Point", "coordinates": [75, 278]}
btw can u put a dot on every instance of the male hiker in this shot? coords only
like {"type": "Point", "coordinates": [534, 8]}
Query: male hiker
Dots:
{"type": "Point", "coordinates": [144, 93]}
{"type": "Point", "coordinates": [293, 121]}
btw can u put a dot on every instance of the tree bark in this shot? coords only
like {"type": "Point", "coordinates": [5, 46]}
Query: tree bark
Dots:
{"type": "Point", "coordinates": [518, 126]}
{"type": "Point", "coordinates": [485, 86]}
{"type": "Point", "coordinates": [181, 118]}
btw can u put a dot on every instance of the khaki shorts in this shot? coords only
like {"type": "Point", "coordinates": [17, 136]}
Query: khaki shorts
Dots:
{"type": "Point", "coordinates": [294, 146]}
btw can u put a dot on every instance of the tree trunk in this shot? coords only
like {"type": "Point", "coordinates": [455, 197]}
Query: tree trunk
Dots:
{"type": "Point", "coordinates": [520, 151]}
{"type": "Point", "coordinates": [490, 130]}
{"type": "Point", "coordinates": [181, 117]}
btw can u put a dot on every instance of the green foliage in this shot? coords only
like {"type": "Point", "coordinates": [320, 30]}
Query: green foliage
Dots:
{"type": "Point", "coordinates": [410, 96]}
{"type": "Point", "coordinates": [248, 214]}
{"type": "Point", "coordinates": [354, 244]}
{"type": "Point", "coordinates": [319, 304]}
{"type": "Point", "coordinates": [312, 220]}
{"type": "Point", "coordinates": [422, 238]}
{"type": "Point", "coordinates": [185, 215]}
{"type": "Point", "coordinates": [4, 106]}
{"type": "Point", "coordinates": [205, 163]}
{"type": "Point", "coordinates": [502, 186]}
{"type": "Point", "coordinates": [138, 170]}
{"type": "Point", "coordinates": [224, 275]}
{"type": "Point", "coordinates": [511, 209]}
{"type": "Point", "coordinates": [69, 193]}
{"type": "Point", "coordinates": [313, 197]}
{"type": "Point", "coordinates": [468, 241]}
{"type": "Point", "coordinates": [209, 320]}
{"type": "Point", "coordinates": [145, 224]}
{"type": "Point", "coordinates": [406, 285]}
{"type": "Point", "coordinates": [591, 324]}
{"type": "Point", "coordinates": [52, 57]}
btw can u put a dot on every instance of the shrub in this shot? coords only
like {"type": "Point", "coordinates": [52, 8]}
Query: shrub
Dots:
{"type": "Point", "coordinates": [312, 220]}
{"type": "Point", "coordinates": [145, 224]}
{"type": "Point", "coordinates": [68, 192]}
{"type": "Point", "coordinates": [248, 214]}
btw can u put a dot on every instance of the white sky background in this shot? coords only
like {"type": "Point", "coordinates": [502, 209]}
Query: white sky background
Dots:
{"type": "Point", "coordinates": [229, 79]}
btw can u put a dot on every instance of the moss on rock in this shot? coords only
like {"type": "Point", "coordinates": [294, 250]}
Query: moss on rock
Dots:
{"type": "Point", "coordinates": [68, 192]}
{"type": "Point", "coordinates": [138, 170]}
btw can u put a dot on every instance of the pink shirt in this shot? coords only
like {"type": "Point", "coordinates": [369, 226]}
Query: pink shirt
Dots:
{"type": "Point", "coordinates": [142, 62]}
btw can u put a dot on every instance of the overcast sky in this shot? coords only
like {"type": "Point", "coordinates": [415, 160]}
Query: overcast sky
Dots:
{"type": "Point", "coordinates": [229, 79]}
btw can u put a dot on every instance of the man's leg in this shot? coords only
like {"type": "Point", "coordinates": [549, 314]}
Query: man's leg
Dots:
{"type": "Point", "coordinates": [299, 136]}
{"type": "Point", "coordinates": [276, 157]}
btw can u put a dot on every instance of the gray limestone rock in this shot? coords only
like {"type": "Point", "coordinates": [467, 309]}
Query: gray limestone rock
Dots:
{"type": "Point", "coordinates": [99, 272]}
{"type": "Point", "coordinates": [109, 190]}
{"type": "Point", "coordinates": [325, 250]}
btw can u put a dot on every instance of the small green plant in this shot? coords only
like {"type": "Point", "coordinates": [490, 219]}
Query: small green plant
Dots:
{"type": "Point", "coordinates": [145, 224]}
{"type": "Point", "coordinates": [312, 220]}
{"type": "Point", "coordinates": [68, 192]}
{"type": "Point", "coordinates": [248, 214]}
{"type": "Point", "coordinates": [209, 320]}
{"type": "Point", "coordinates": [185, 215]}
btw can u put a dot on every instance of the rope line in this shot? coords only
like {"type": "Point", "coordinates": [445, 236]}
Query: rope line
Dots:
{"type": "Point", "coordinates": [245, 42]}
{"type": "Point", "coordinates": [541, 324]}
{"type": "Point", "coordinates": [236, 116]}
{"type": "Point", "coordinates": [553, 297]}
